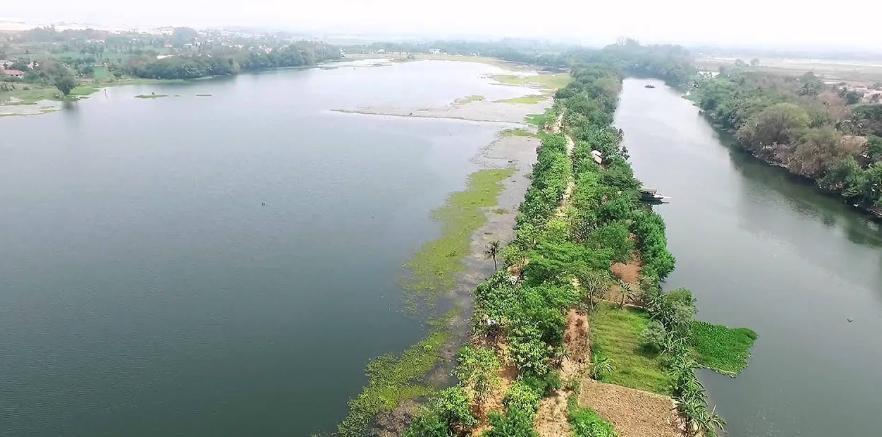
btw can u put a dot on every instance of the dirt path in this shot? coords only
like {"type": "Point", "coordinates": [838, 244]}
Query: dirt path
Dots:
{"type": "Point", "coordinates": [571, 184]}
{"type": "Point", "coordinates": [552, 417]}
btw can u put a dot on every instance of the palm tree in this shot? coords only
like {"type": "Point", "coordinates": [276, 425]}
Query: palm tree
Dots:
{"type": "Point", "coordinates": [492, 251]}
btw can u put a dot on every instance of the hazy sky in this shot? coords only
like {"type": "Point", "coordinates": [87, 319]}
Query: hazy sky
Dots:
{"type": "Point", "coordinates": [803, 23]}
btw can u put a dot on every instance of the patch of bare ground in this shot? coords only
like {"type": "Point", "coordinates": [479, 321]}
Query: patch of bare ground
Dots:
{"type": "Point", "coordinates": [633, 413]}
{"type": "Point", "coordinates": [628, 275]}
{"type": "Point", "coordinates": [493, 401]}
{"type": "Point", "coordinates": [576, 345]}
{"type": "Point", "coordinates": [551, 417]}
{"type": "Point", "coordinates": [629, 272]}
{"type": "Point", "coordinates": [395, 422]}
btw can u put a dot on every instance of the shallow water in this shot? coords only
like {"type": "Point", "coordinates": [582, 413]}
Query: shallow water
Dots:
{"type": "Point", "coordinates": [223, 265]}
{"type": "Point", "coordinates": [762, 249]}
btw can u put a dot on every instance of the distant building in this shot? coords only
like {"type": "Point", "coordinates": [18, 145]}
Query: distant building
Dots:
{"type": "Point", "coordinates": [13, 73]}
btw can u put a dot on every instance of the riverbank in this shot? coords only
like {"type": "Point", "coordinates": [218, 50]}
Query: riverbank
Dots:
{"type": "Point", "coordinates": [445, 271]}
{"type": "Point", "coordinates": [31, 99]}
{"type": "Point", "coordinates": [770, 157]}
{"type": "Point", "coordinates": [827, 134]}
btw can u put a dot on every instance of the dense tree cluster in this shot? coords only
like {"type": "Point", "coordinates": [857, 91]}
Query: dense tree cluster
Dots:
{"type": "Point", "coordinates": [230, 61]}
{"type": "Point", "coordinates": [813, 129]}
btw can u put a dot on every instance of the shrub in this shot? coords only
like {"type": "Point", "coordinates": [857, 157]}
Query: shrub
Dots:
{"type": "Point", "coordinates": [478, 368]}
{"type": "Point", "coordinates": [544, 384]}
{"type": "Point", "coordinates": [587, 423]}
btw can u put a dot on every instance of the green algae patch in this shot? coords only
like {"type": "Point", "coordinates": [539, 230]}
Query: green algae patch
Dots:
{"type": "Point", "coordinates": [468, 99]}
{"type": "Point", "coordinates": [517, 132]}
{"type": "Point", "coordinates": [549, 82]}
{"type": "Point", "coordinates": [537, 120]}
{"type": "Point", "coordinates": [434, 267]}
{"type": "Point", "coordinates": [720, 348]}
{"type": "Point", "coordinates": [150, 96]}
{"type": "Point", "coordinates": [393, 379]}
{"type": "Point", "coordinates": [526, 100]}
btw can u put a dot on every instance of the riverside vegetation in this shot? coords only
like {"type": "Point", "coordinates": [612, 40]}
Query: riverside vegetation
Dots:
{"type": "Point", "coordinates": [73, 63]}
{"type": "Point", "coordinates": [560, 260]}
{"type": "Point", "coordinates": [829, 134]}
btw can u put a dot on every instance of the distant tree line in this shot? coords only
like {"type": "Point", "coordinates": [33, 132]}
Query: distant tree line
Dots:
{"type": "Point", "coordinates": [672, 63]}
{"type": "Point", "coordinates": [230, 61]}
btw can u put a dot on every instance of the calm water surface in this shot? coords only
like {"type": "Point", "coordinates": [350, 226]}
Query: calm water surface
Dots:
{"type": "Point", "coordinates": [762, 249]}
{"type": "Point", "coordinates": [224, 265]}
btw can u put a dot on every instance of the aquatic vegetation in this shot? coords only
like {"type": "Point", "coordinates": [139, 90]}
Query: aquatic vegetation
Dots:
{"type": "Point", "coordinates": [434, 267]}
{"type": "Point", "coordinates": [526, 100]}
{"type": "Point", "coordinates": [468, 99]}
{"type": "Point", "coordinates": [517, 132]}
{"type": "Point", "coordinates": [393, 379]}
{"type": "Point", "coordinates": [720, 348]}
{"type": "Point", "coordinates": [537, 120]}
{"type": "Point", "coordinates": [543, 81]}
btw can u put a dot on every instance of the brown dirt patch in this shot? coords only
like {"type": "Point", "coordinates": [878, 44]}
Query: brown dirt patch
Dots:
{"type": "Point", "coordinates": [507, 376]}
{"type": "Point", "coordinates": [576, 345]}
{"type": "Point", "coordinates": [629, 272]}
{"type": "Point", "coordinates": [633, 413]}
{"type": "Point", "coordinates": [551, 418]}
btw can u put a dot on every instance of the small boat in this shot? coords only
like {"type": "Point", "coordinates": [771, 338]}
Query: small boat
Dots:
{"type": "Point", "coordinates": [650, 195]}
{"type": "Point", "coordinates": [649, 85]}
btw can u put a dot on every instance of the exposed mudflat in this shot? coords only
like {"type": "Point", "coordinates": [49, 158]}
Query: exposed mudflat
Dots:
{"type": "Point", "coordinates": [482, 110]}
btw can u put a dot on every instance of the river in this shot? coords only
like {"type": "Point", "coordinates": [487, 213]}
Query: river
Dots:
{"type": "Point", "coordinates": [763, 249]}
{"type": "Point", "coordinates": [223, 261]}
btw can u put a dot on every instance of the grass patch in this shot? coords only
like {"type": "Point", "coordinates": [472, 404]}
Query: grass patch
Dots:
{"type": "Point", "coordinates": [720, 348]}
{"type": "Point", "coordinates": [537, 120]}
{"type": "Point", "coordinates": [150, 96]}
{"type": "Point", "coordinates": [468, 99]}
{"type": "Point", "coordinates": [393, 379]}
{"type": "Point", "coordinates": [616, 334]}
{"type": "Point", "coordinates": [82, 90]}
{"type": "Point", "coordinates": [526, 100]}
{"type": "Point", "coordinates": [435, 265]}
{"type": "Point", "coordinates": [549, 82]}
{"type": "Point", "coordinates": [517, 132]}
{"type": "Point", "coordinates": [28, 95]}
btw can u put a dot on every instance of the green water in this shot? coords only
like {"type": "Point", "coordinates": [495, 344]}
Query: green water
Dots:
{"type": "Point", "coordinates": [224, 265]}
{"type": "Point", "coordinates": [763, 249]}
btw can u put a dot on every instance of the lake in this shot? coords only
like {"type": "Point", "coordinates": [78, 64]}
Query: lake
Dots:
{"type": "Point", "coordinates": [763, 249]}
{"type": "Point", "coordinates": [220, 265]}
